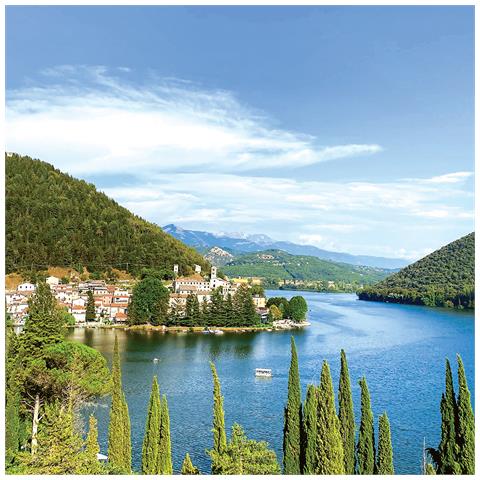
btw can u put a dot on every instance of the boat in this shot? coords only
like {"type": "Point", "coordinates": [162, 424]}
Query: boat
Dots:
{"type": "Point", "coordinates": [263, 372]}
{"type": "Point", "coordinates": [218, 332]}
{"type": "Point", "coordinates": [155, 360]}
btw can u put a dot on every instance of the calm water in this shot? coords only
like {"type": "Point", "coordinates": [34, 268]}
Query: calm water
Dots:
{"type": "Point", "coordinates": [401, 350]}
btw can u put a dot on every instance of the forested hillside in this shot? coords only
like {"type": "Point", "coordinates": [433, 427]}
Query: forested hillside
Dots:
{"type": "Point", "coordinates": [53, 219]}
{"type": "Point", "coordinates": [446, 277]}
{"type": "Point", "coordinates": [279, 265]}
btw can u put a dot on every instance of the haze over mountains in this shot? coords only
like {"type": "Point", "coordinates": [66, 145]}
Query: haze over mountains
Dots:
{"type": "Point", "coordinates": [237, 243]}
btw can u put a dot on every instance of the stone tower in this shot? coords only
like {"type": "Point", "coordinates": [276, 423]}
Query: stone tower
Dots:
{"type": "Point", "coordinates": [213, 273]}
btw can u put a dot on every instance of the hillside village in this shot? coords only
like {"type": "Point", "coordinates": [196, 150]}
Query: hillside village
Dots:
{"type": "Point", "coordinates": [112, 300]}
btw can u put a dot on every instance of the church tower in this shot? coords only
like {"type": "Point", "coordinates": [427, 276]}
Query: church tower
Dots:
{"type": "Point", "coordinates": [213, 273]}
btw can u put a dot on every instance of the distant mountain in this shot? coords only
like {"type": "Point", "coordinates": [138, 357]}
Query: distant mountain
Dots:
{"type": "Point", "coordinates": [55, 220]}
{"type": "Point", "coordinates": [274, 265]}
{"type": "Point", "coordinates": [218, 257]}
{"type": "Point", "coordinates": [242, 243]}
{"type": "Point", "coordinates": [445, 278]}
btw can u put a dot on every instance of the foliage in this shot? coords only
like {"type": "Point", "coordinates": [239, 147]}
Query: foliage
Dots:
{"type": "Point", "coordinates": [346, 415]}
{"type": "Point", "coordinates": [53, 219]}
{"type": "Point", "coordinates": [164, 462]}
{"type": "Point", "coordinates": [366, 435]}
{"type": "Point", "coordinates": [385, 452]}
{"type": "Point", "coordinates": [292, 418]}
{"type": "Point", "coordinates": [188, 468]}
{"type": "Point", "coordinates": [90, 315]}
{"type": "Point", "coordinates": [149, 302]}
{"type": "Point", "coordinates": [445, 278]}
{"type": "Point", "coordinates": [309, 431]}
{"type": "Point", "coordinates": [219, 435]}
{"type": "Point", "coordinates": [297, 308]}
{"type": "Point", "coordinates": [466, 424]}
{"type": "Point", "coordinates": [275, 313]}
{"type": "Point", "coordinates": [151, 440]}
{"type": "Point", "coordinates": [119, 441]}
{"type": "Point", "coordinates": [243, 456]}
{"type": "Point", "coordinates": [329, 446]}
{"type": "Point", "coordinates": [275, 265]}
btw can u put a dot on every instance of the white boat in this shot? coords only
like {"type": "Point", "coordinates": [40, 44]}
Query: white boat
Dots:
{"type": "Point", "coordinates": [263, 372]}
{"type": "Point", "coordinates": [155, 360]}
{"type": "Point", "coordinates": [218, 332]}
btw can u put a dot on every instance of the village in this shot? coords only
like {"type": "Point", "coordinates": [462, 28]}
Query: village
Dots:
{"type": "Point", "coordinates": [112, 300]}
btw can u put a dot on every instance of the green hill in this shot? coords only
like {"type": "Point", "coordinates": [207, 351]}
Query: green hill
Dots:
{"type": "Point", "coordinates": [275, 265]}
{"type": "Point", "coordinates": [53, 219]}
{"type": "Point", "coordinates": [445, 278]}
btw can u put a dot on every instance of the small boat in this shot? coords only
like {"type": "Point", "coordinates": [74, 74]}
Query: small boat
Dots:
{"type": "Point", "coordinates": [155, 360]}
{"type": "Point", "coordinates": [218, 332]}
{"type": "Point", "coordinates": [263, 372]}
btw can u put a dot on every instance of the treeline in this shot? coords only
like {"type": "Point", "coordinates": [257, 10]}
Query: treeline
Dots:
{"type": "Point", "coordinates": [319, 441]}
{"type": "Point", "coordinates": [296, 308]}
{"type": "Point", "coordinates": [445, 278]}
{"type": "Point", "coordinates": [53, 219]}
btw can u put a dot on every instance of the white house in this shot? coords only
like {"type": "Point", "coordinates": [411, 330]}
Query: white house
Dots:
{"type": "Point", "coordinates": [52, 281]}
{"type": "Point", "coordinates": [26, 287]}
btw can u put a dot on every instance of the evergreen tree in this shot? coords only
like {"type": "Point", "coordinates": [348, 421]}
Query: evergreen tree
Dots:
{"type": "Point", "coordinates": [309, 431]}
{"type": "Point", "coordinates": [119, 440]}
{"type": "Point", "coordinates": [92, 449]}
{"type": "Point", "coordinates": [366, 435]}
{"type": "Point", "coordinates": [329, 445]}
{"type": "Point", "coordinates": [385, 452]}
{"type": "Point", "coordinates": [151, 440]}
{"type": "Point", "coordinates": [346, 416]}
{"type": "Point", "coordinates": [448, 448]}
{"type": "Point", "coordinates": [188, 468]}
{"type": "Point", "coordinates": [90, 309]}
{"type": "Point", "coordinates": [219, 435]}
{"type": "Point", "coordinates": [466, 424]}
{"type": "Point", "coordinates": [164, 462]}
{"type": "Point", "coordinates": [149, 302]}
{"type": "Point", "coordinates": [292, 418]}
{"type": "Point", "coordinates": [12, 425]}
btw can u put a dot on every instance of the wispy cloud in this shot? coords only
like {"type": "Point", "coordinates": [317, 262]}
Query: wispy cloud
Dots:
{"type": "Point", "coordinates": [91, 119]}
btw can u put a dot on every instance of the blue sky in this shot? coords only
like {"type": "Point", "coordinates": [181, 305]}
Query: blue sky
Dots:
{"type": "Point", "coordinates": [350, 128]}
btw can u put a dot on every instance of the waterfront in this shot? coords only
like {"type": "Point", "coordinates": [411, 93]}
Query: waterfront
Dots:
{"type": "Point", "coordinates": [401, 350]}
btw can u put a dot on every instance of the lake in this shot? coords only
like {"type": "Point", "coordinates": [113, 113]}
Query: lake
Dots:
{"type": "Point", "coordinates": [401, 350]}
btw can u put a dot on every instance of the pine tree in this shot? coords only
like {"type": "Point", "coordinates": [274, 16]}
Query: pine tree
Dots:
{"type": "Point", "coordinates": [366, 435]}
{"type": "Point", "coordinates": [119, 440]}
{"type": "Point", "coordinates": [219, 435]}
{"type": "Point", "coordinates": [164, 461]}
{"type": "Point", "coordinates": [90, 315]}
{"type": "Point", "coordinates": [12, 425]}
{"type": "Point", "coordinates": [448, 449]}
{"type": "Point", "coordinates": [92, 449]}
{"type": "Point", "coordinates": [466, 424]}
{"type": "Point", "coordinates": [385, 452]}
{"type": "Point", "coordinates": [151, 440]}
{"type": "Point", "coordinates": [188, 468]}
{"type": "Point", "coordinates": [329, 445]}
{"type": "Point", "coordinates": [292, 418]}
{"type": "Point", "coordinates": [346, 416]}
{"type": "Point", "coordinates": [309, 431]}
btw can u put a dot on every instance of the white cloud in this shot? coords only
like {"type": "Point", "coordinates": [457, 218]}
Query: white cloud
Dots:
{"type": "Point", "coordinates": [454, 177]}
{"type": "Point", "coordinates": [85, 119]}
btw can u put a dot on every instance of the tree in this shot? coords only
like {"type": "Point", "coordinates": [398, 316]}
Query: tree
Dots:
{"type": "Point", "coordinates": [275, 313]}
{"type": "Point", "coordinates": [329, 459]}
{"type": "Point", "coordinates": [188, 468]}
{"type": "Point", "coordinates": [149, 302]}
{"type": "Point", "coordinates": [151, 440]}
{"type": "Point", "coordinates": [164, 463]}
{"type": "Point", "coordinates": [119, 441]}
{"type": "Point", "coordinates": [366, 435]}
{"type": "Point", "coordinates": [243, 456]}
{"type": "Point", "coordinates": [448, 448]}
{"type": "Point", "coordinates": [466, 424]}
{"type": "Point", "coordinates": [292, 418]}
{"type": "Point", "coordinates": [12, 425]}
{"type": "Point", "coordinates": [385, 452]}
{"type": "Point", "coordinates": [90, 315]}
{"type": "Point", "coordinates": [92, 449]}
{"type": "Point", "coordinates": [346, 416]}
{"type": "Point", "coordinates": [297, 307]}
{"type": "Point", "coordinates": [309, 431]}
{"type": "Point", "coordinates": [219, 435]}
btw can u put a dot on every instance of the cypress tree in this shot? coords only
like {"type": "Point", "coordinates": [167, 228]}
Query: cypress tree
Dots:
{"type": "Point", "coordinates": [292, 418]}
{"type": "Point", "coordinates": [366, 436]}
{"type": "Point", "coordinates": [448, 449]}
{"type": "Point", "coordinates": [309, 431]}
{"type": "Point", "coordinates": [466, 424]}
{"type": "Point", "coordinates": [12, 425]}
{"type": "Point", "coordinates": [219, 435]}
{"type": "Point", "coordinates": [119, 441]}
{"type": "Point", "coordinates": [91, 465]}
{"type": "Point", "coordinates": [164, 462]}
{"type": "Point", "coordinates": [385, 452]}
{"type": "Point", "coordinates": [188, 468]}
{"type": "Point", "coordinates": [90, 309]}
{"type": "Point", "coordinates": [346, 416]}
{"type": "Point", "coordinates": [329, 445]}
{"type": "Point", "coordinates": [151, 439]}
